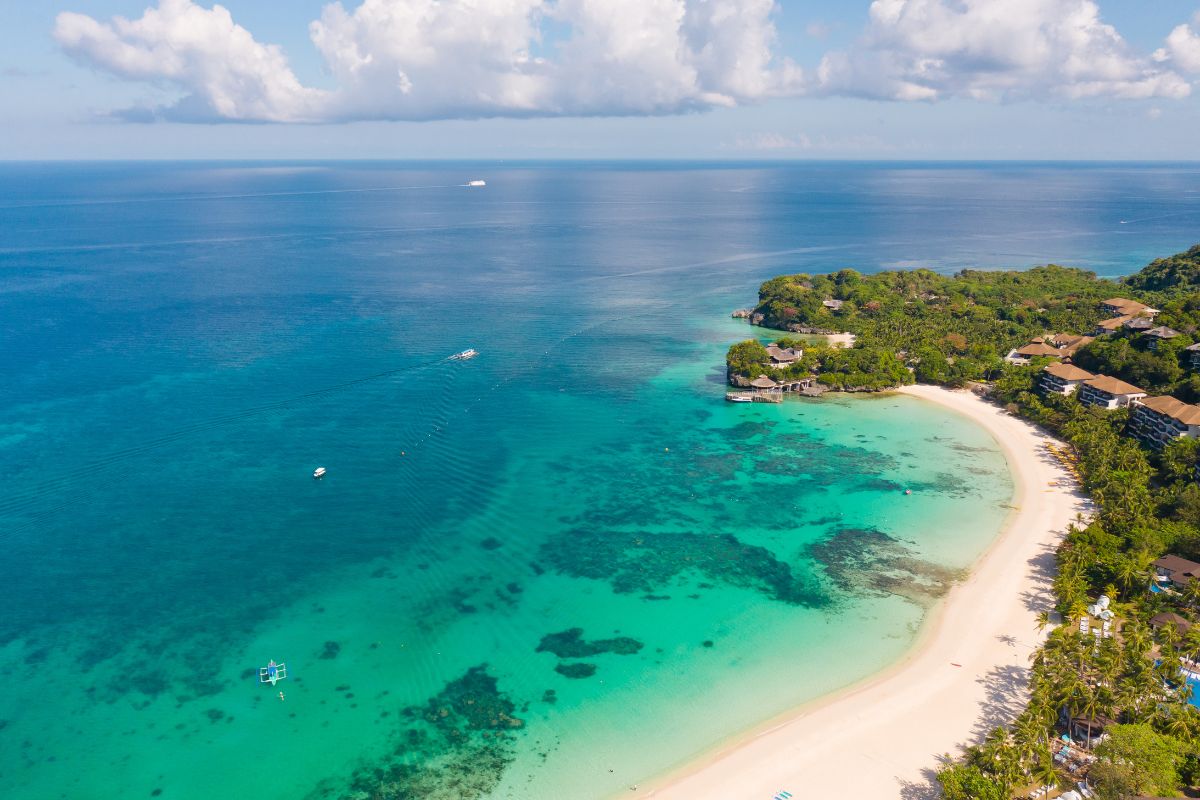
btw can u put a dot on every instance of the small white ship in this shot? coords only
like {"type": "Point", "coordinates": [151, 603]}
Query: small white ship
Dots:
{"type": "Point", "coordinates": [319, 473]}
{"type": "Point", "coordinates": [464, 355]}
{"type": "Point", "coordinates": [476, 183]}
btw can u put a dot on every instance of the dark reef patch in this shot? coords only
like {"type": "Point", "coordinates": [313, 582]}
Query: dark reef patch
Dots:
{"type": "Point", "coordinates": [949, 484]}
{"type": "Point", "coordinates": [867, 560]}
{"type": "Point", "coordinates": [575, 671]}
{"type": "Point", "coordinates": [571, 644]}
{"type": "Point", "coordinates": [454, 747]}
{"type": "Point", "coordinates": [876, 485]}
{"type": "Point", "coordinates": [330, 650]}
{"type": "Point", "coordinates": [642, 562]}
{"type": "Point", "coordinates": [491, 543]}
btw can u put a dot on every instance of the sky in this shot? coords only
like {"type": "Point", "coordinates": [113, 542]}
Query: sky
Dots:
{"type": "Point", "coordinates": [592, 79]}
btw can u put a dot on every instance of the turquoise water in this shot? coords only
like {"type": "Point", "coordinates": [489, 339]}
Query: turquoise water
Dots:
{"type": "Point", "coordinates": [183, 344]}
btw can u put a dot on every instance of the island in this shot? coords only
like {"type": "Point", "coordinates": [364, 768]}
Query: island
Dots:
{"type": "Point", "coordinates": [1091, 387]}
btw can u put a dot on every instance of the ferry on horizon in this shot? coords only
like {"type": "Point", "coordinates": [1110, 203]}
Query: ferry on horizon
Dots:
{"type": "Point", "coordinates": [476, 183]}
{"type": "Point", "coordinates": [464, 355]}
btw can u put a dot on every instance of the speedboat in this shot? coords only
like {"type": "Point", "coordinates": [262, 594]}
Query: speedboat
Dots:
{"type": "Point", "coordinates": [464, 355]}
{"type": "Point", "coordinates": [272, 673]}
{"type": "Point", "coordinates": [739, 397]}
{"type": "Point", "coordinates": [319, 472]}
{"type": "Point", "coordinates": [477, 183]}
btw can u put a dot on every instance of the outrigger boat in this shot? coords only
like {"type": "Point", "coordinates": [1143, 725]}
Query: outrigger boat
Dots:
{"type": "Point", "coordinates": [464, 355]}
{"type": "Point", "coordinates": [272, 673]}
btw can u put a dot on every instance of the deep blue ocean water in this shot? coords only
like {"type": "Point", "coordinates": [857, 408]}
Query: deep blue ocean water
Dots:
{"type": "Point", "coordinates": [182, 344]}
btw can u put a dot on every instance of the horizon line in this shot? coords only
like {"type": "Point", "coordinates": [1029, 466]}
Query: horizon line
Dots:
{"type": "Point", "coordinates": [588, 160]}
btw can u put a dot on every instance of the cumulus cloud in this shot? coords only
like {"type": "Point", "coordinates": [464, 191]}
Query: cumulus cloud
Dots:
{"type": "Point", "coordinates": [438, 59]}
{"type": "Point", "coordinates": [460, 59]}
{"type": "Point", "coordinates": [422, 59]}
{"type": "Point", "coordinates": [995, 50]}
{"type": "Point", "coordinates": [217, 63]}
{"type": "Point", "coordinates": [1182, 49]}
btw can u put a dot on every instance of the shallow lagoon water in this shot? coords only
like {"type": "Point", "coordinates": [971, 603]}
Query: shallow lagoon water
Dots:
{"type": "Point", "coordinates": [185, 343]}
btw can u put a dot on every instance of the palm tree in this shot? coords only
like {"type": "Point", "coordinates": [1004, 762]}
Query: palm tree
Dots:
{"type": "Point", "coordinates": [1191, 593]}
{"type": "Point", "coordinates": [1043, 620]}
{"type": "Point", "coordinates": [1191, 641]}
{"type": "Point", "coordinates": [1133, 571]}
{"type": "Point", "coordinates": [1089, 700]}
{"type": "Point", "coordinates": [1044, 772]}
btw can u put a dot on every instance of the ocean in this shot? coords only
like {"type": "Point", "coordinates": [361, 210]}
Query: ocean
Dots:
{"type": "Point", "coordinates": [557, 569]}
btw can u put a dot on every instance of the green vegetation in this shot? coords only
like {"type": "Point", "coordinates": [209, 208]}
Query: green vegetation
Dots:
{"type": "Point", "coordinates": [945, 329]}
{"type": "Point", "coordinates": [1177, 274]}
{"type": "Point", "coordinates": [1139, 761]}
{"type": "Point", "coordinates": [951, 329]}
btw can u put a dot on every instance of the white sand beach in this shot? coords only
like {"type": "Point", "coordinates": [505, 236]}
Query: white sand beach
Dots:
{"type": "Point", "coordinates": [966, 673]}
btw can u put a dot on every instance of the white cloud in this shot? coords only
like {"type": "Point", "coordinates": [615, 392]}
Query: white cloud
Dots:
{"type": "Point", "coordinates": [818, 29]}
{"type": "Point", "coordinates": [994, 50]}
{"type": "Point", "coordinates": [443, 59]}
{"type": "Point", "coordinates": [778, 143]}
{"type": "Point", "coordinates": [1183, 48]}
{"type": "Point", "coordinates": [437, 59]}
{"type": "Point", "coordinates": [773, 142]}
{"type": "Point", "coordinates": [223, 71]}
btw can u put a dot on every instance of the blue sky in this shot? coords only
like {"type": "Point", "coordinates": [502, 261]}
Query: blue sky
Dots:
{"type": "Point", "coordinates": [726, 79]}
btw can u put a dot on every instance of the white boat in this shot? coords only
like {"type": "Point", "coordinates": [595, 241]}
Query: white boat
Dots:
{"type": "Point", "coordinates": [476, 183]}
{"type": "Point", "coordinates": [319, 472]}
{"type": "Point", "coordinates": [739, 397]}
{"type": "Point", "coordinates": [464, 355]}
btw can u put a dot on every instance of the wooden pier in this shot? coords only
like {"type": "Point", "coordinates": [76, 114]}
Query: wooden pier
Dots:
{"type": "Point", "coordinates": [754, 397]}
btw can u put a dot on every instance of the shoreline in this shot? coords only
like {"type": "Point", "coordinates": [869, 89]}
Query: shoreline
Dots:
{"type": "Point", "coordinates": [964, 673]}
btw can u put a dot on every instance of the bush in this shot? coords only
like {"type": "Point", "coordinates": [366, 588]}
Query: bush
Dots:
{"type": "Point", "coordinates": [965, 782]}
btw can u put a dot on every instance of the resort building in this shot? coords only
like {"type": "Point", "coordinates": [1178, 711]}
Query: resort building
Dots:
{"type": "Point", "coordinates": [1106, 326]}
{"type": "Point", "coordinates": [764, 384]}
{"type": "Point", "coordinates": [1157, 421]}
{"type": "Point", "coordinates": [1089, 728]}
{"type": "Point", "coordinates": [1176, 571]}
{"type": "Point", "coordinates": [1068, 343]}
{"type": "Point", "coordinates": [1056, 345]}
{"type": "Point", "coordinates": [1109, 393]}
{"type": "Point", "coordinates": [1139, 324]}
{"type": "Point", "coordinates": [1063, 378]}
{"type": "Point", "coordinates": [1181, 625]}
{"type": "Point", "coordinates": [1193, 352]}
{"type": "Point", "coordinates": [783, 357]}
{"type": "Point", "coordinates": [1158, 335]}
{"type": "Point", "coordinates": [1121, 306]}
{"type": "Point", "coordinates": [1036, 349]}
